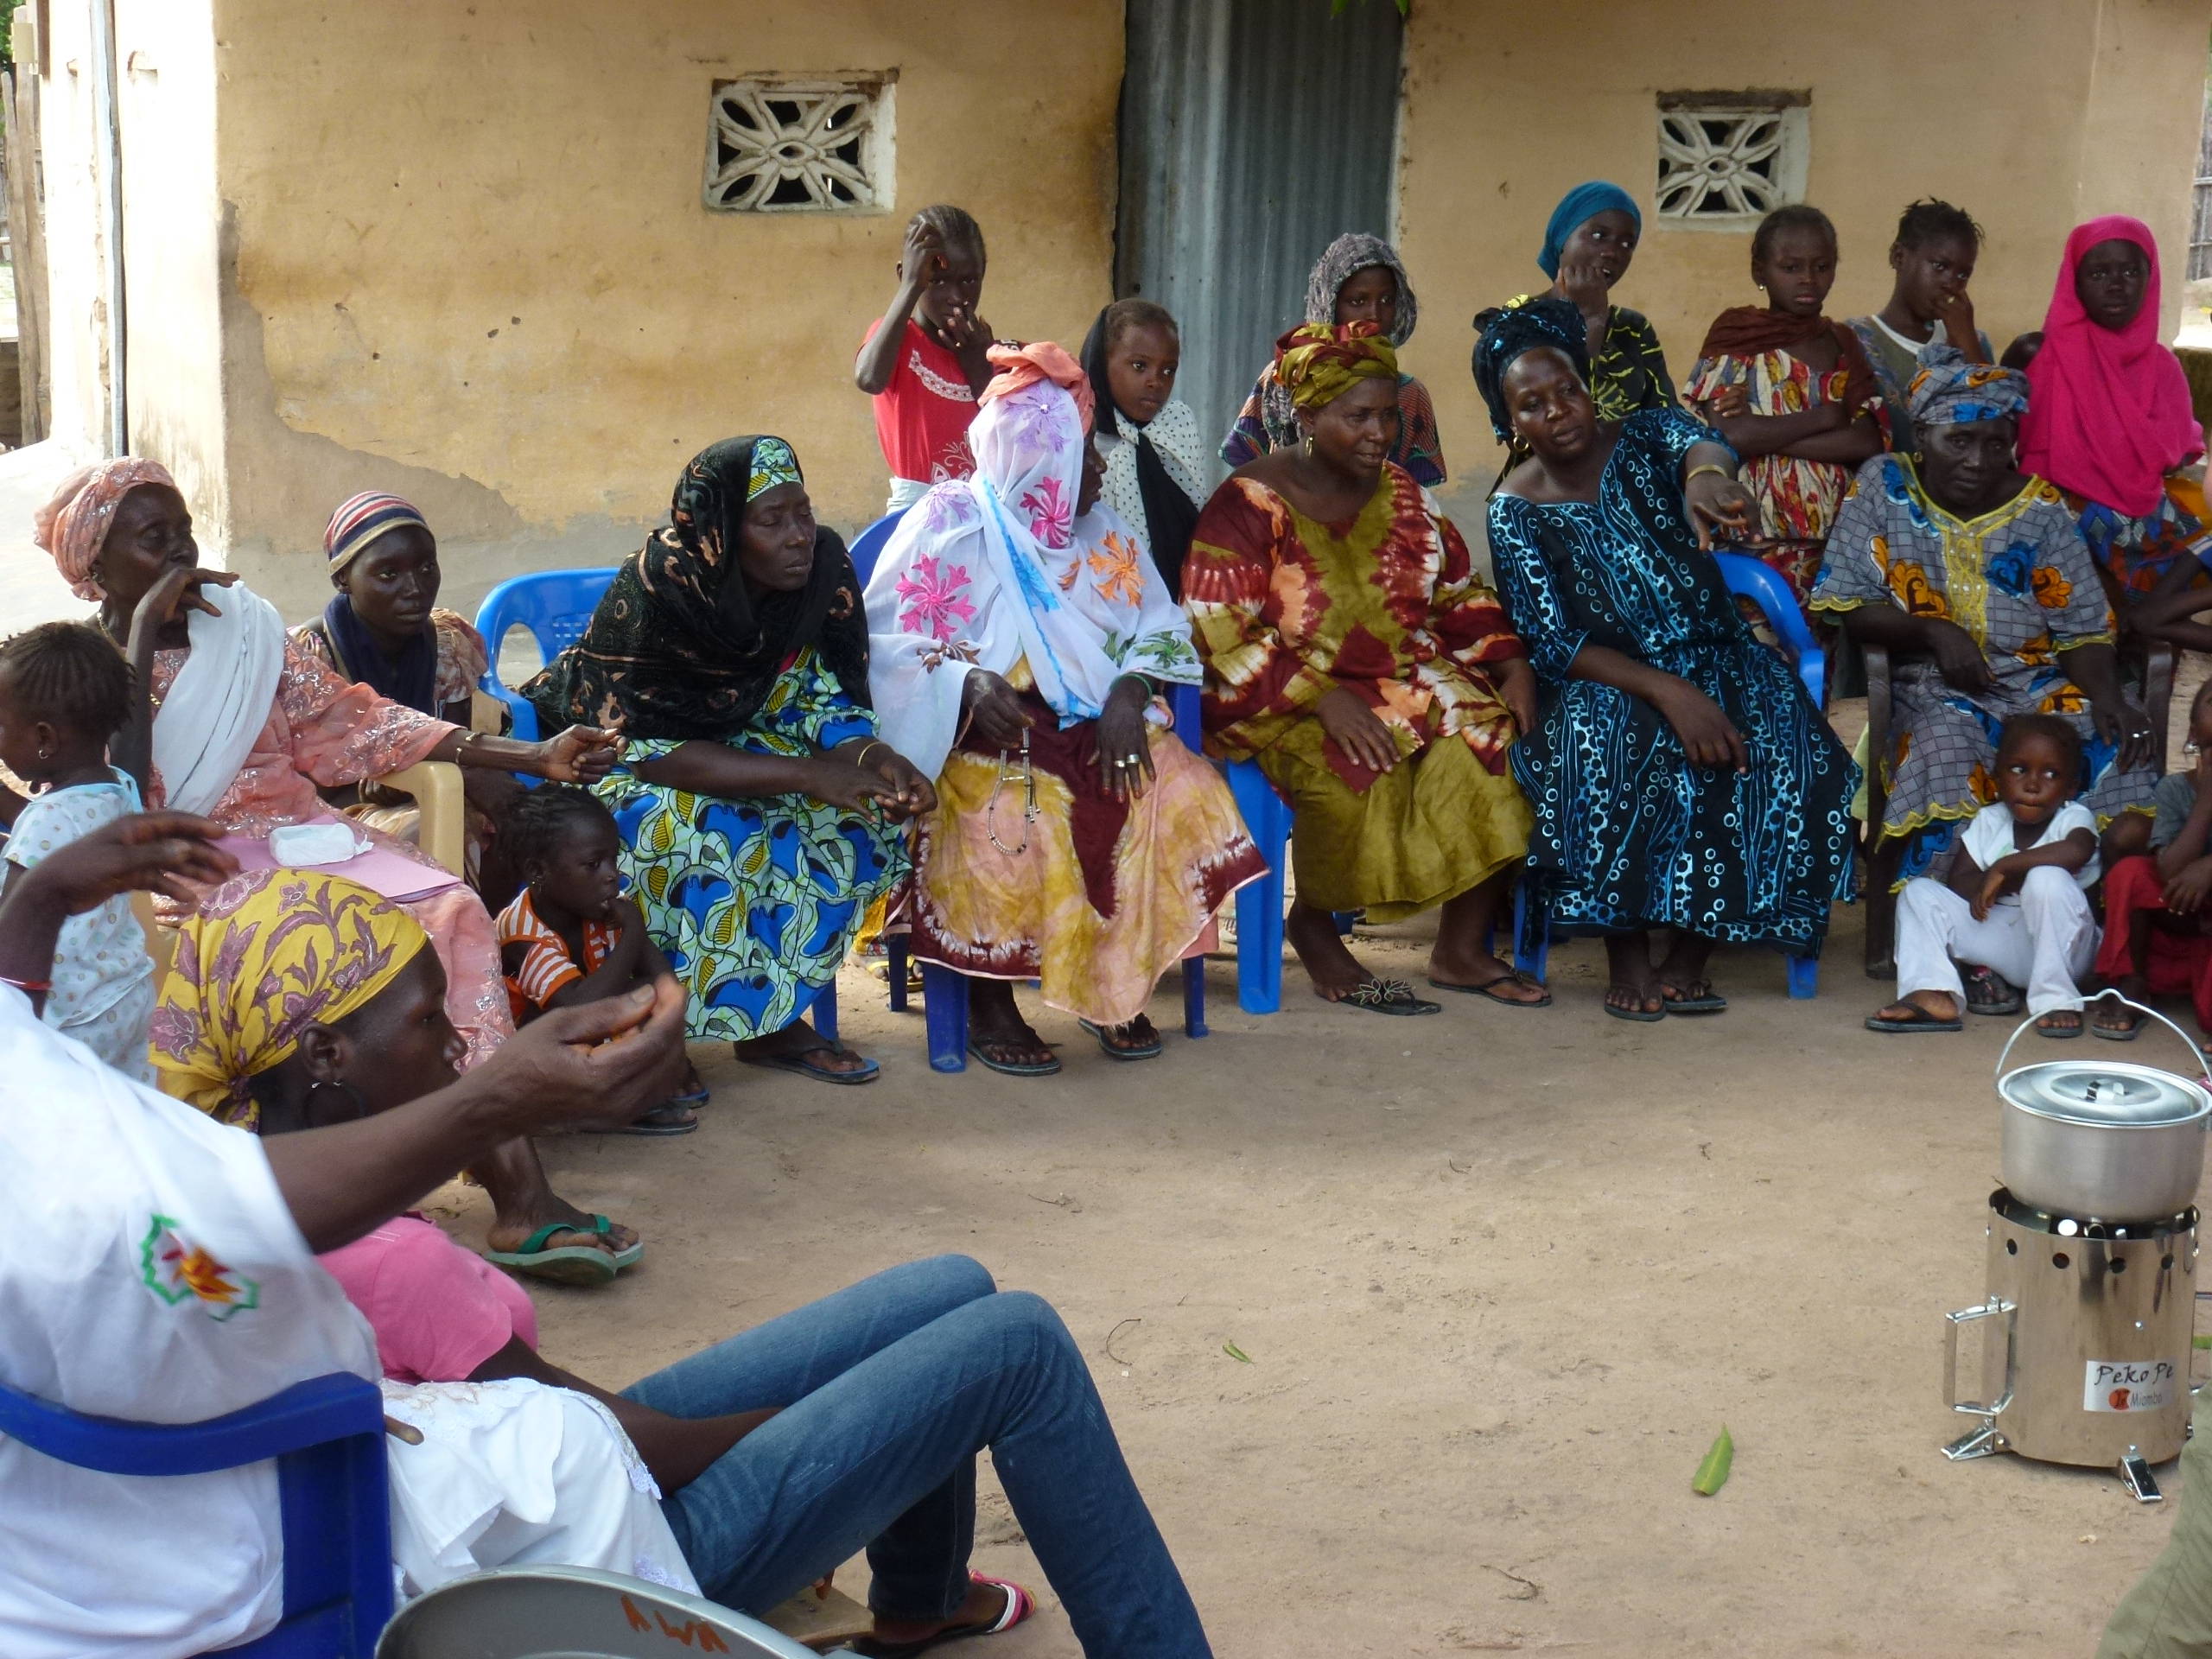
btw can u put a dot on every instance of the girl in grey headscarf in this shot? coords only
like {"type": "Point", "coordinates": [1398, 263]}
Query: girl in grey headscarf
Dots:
{"type": "Point", "coordinates": [1359, 278]}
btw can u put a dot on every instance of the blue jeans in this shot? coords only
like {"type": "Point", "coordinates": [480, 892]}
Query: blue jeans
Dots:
{"type": "Point", "coordinates": [889, 1389]}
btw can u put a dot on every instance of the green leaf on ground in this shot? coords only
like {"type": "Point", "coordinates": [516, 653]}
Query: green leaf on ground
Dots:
{"type": "Point", "coordinates": [1236, 1353]}
{"type": "Point", "coordinates": [1712, 1474]}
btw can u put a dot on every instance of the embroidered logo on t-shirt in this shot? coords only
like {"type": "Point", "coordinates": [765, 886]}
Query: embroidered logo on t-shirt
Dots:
{"type": "Point", "coordinates": [176, 1269]}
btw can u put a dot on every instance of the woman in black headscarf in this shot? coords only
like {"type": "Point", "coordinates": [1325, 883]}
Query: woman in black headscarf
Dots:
{"type": "Point", "coordinates": [732, 652]}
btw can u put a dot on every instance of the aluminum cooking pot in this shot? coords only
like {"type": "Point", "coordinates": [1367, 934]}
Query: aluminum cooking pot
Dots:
{"type": "Point", "coordinates": [2104, 1140]}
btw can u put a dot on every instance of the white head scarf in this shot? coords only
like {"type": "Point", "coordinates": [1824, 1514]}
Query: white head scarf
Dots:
{"type": "Point", "coordinates": [988, 570]}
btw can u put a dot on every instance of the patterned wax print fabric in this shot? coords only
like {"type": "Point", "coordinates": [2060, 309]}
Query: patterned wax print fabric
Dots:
{"type": "Point", "coordinates": [322, 731]}
{"type": "Point", "coordinates": [2020, 581]}
{"type": "Point", "coordinates": [1895, 360]}
{"type": "Point", "coordinates": [1628, 834]}
{"type": "Point", "coordinates": [754, 900]}
{"type": "Point", "coordinates": [1419, 449]}
{"type": "Point", "coordinates": [1284, 609]}
{"type": "Point", "coordinates": [1103, 896]}
{"type": "Point", "coordinates": [267, 954]}
{"type": "Point", "coordinates": [103, 978]}
{"type": "Point", "coordinates": [1797, 498]}
{"type": "Point", "coordinates": [2140, 554]}
{"type": "Point", "coordinates": [999, 572]}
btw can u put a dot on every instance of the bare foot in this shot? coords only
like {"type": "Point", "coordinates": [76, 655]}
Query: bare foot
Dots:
{"type": "Point", "coordinates": [1936, 1005]}
{"type": "Point", "coordinates": [510, 1232]}
{"type": "Point", "coordinates": [996, 1027]}
{"type": "Point", "coordinates": [1635, 983]}
{"type": "Point", "coordinates": [1328, 961]}
{"type": "Point", "coordinates": [2059, 1022]}
{"type": "Point", "coordinates": [1477, 970]}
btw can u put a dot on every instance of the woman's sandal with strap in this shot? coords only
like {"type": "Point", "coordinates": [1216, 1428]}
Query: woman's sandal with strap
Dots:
{"type": "Point", "coordinates": [1019, 1606]}
{"type": "Point", "coordinates": [1384, 996]}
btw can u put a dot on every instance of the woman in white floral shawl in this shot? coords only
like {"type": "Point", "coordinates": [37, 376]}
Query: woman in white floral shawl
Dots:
{"type": "Point", "coordinates": [1019, 638]}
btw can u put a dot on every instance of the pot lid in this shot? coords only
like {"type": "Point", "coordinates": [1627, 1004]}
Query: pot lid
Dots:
{"type": "Point", "coordinates": [2113, 1095]}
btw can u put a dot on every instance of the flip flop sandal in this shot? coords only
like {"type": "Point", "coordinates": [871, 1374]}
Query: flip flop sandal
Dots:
{"type": "Point", "coordinates": [698, 1097]}
{"type": "Point", "coordinates": [1488, 989]}
{"type": "Point", "coordinates": [797, 1064]}
{"type": "Point", "coordinates": [669, 1117]}
{"type": "Point", "coordinates": [2060, 1034]}
{"type": "Point", "coordinates": [2134, 1029]}
{"type": "Point", "coordinates": [1384, 996]}
{"type": "Point", "coordinates": [1921, 1020]}
{"type": "Point", "coordinates": [1706, 1002]}
{"type": "Point", "coordinates": [1640, 1016]}
{"type": "Point", "coordinates": [1019, 1606]}
{"type": "Point", "coordinates": [1150, 1050]}
{"type": "Point", "coordinates": [1990, 992]}
{"type": "Point", "coordinates": [1012, 1069]}
{"type": "Point", "coordinates": [572, 1264]}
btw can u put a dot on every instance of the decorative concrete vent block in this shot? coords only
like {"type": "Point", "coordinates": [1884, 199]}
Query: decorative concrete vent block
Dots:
{"type": "Point", "coordinates": [1726, 159]}
{"type": "Point", "coordinates": [800, 144]}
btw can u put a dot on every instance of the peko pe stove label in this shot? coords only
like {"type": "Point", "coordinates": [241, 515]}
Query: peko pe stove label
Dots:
{"type": "Point", "coordinates": [2127, 1384]}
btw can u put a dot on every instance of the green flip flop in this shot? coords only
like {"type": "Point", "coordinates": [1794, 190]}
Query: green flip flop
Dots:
{"type": "Point", "coordinates": [571, 1264]}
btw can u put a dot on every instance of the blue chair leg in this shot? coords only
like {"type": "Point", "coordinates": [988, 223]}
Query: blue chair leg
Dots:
{"type": "Point", "coordinates": [1804, 977]}
{"type": "Point", "coordinates": [1532, 943]}
{"type": "Point", "coordinates": [894, 958]}
{"type": "Point", "coordinates": [1259, 904]}
{"type": "Point", "coordinates": [825, 1010]}
{"type": "Point", "coordinates": [1194, 996]}
{"type": "Point", "coordinates": [944, 1005]}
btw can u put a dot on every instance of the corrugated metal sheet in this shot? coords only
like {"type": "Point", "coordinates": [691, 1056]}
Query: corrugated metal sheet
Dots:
{"type": "Point", "coordinates": [1253, 133]}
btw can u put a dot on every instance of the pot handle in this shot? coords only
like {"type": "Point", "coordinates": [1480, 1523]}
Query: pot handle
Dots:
{"type": "Point", "coordinates": [2203, 1069]}
{"type": "Point", "coordinates": [1995, 1308]}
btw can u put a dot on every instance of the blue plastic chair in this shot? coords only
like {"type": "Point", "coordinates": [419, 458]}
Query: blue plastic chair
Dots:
{"type": "Point", "coordinates": [944, 993]}
{"type": "Point", "coordinates": [556, 606]}
{"type": "Point", "coordinates": [1748, 579]}
{"type": "Point", "coordinates": [327, 1435]}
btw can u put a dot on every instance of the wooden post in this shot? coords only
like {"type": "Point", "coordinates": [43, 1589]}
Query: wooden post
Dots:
{"type": "Point", "coordinates": [19, 89]}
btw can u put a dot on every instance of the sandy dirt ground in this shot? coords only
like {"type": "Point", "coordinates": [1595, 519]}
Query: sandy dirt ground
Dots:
{"type": "Point", "coordinates": [1501, 1276]}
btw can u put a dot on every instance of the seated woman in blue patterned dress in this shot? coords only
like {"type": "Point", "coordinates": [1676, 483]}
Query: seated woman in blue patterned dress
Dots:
{"type": "Point", "coordinates": [1679, 776]}
{"type": "Point", "coordinates": [1975, 578]}
{"type": "Point", "coordinates": [759, 810]}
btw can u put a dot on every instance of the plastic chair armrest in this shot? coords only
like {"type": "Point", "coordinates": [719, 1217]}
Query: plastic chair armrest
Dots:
{"type": "Point", "coordinates": [435, 786]}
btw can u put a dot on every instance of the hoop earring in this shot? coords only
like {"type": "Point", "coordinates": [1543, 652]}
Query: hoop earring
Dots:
{"type": "Point", "coordinates": [347, 1092]}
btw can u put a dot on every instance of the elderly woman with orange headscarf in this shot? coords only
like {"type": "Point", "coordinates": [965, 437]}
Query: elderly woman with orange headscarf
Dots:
{"type": "Point", "coordinates": [1352, 651]}
{"type": "Point", "coordinates": [243, 724]}
{"type": "Point", "coordinates": [1020, 638]}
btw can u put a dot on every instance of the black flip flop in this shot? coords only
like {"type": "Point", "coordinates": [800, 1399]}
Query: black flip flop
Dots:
{"type": "Point", "coordinates": [1488, 989]}
{"type": "Point", "coordinates": [1007, 1067]}
{"type": "Point", "coordinates": [669, 1117]}
{"type": "Point", "coordinates": [1711, 1003]}
{"type": "Point", "coordinates": [1384, 996]}
{"type": "Point", "coordinates": [1150, 1050]}
{"type": "Point", "coordinates": [2136, 1022]}
{"type": "Point", "coordinates": [2060, 1034]}
{"type": "Point", "coordinates": [1921, 1020]}
{"type": "Point", "coordinates": [1638, 1015]}
{"type": "Point", "coordinates": [1990, 992]}
{"type": "Point", "coordinates": [797, 1064]}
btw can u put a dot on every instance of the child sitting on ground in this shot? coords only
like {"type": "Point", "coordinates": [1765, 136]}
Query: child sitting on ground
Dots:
{"type": "Point", "coordinates": [64, 692]}
{"type": "Point", "coordinates": [571, 935]}
{"type": "Point", "coordinates": [923, 360]}
{"type": "Point", "coordinates": [2158, 920]}
{"type": "Point", "coordinates": [2016, 902]}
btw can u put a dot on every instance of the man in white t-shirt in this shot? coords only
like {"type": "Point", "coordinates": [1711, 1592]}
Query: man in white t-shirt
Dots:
{"type": "Point", "coordinates": [161, 1267]}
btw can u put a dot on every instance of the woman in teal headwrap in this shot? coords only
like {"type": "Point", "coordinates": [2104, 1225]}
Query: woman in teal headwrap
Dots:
{"type": "Point", "coordinates": [1588, 242]}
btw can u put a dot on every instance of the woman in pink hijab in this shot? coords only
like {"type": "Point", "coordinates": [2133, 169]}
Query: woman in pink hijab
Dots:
{"type": "Point", "coordinates": [2109, 422]}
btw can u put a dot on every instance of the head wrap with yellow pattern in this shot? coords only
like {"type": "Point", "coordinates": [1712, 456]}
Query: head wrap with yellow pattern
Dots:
{"type": "Point", "coordinates": [1950, 391]}
{"type": "Point", "coordinates": [268, 954]}
{"type": "Point", "coordinates": [1319, 362]}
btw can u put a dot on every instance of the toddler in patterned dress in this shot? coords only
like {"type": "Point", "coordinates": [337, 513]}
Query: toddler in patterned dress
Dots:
{"type": "Point", "coordinates": [64, 692]}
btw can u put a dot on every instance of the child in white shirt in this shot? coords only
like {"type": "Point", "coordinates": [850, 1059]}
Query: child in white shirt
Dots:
{"type": "Point", "coordinates": [64, 691]}
{"type": "Point", "coordinates": [2017, 901]}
